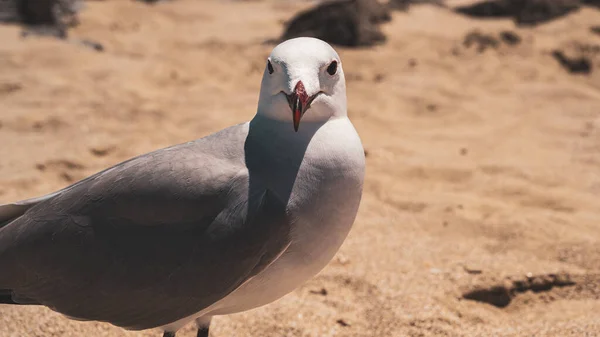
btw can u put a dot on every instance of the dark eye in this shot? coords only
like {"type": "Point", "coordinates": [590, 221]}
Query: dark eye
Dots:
{"type": "Point", "coordinates": [332, 68]}
{"type": "Point", "coordinates": [270, 67]}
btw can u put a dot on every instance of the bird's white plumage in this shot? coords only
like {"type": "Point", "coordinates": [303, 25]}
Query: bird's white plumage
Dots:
{"type": "Point", "coordinates": [328, 185]}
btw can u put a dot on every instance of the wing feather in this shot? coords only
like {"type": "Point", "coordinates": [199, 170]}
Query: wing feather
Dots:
{"type": "Point", "coordinates": [147, 242]}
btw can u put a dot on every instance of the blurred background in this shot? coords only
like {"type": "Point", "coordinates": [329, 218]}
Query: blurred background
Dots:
{"type": "Point", "coordinates": [480, 120]}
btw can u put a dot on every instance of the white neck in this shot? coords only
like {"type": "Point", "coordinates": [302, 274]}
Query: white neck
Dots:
{"type": "Point", "coordinates": [275, 153]}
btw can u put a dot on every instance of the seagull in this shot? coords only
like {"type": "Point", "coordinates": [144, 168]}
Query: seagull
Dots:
{"type": "Point", "coordinates": [215, 226]}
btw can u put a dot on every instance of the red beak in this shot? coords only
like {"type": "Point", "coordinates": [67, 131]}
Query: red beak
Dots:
{"type": "Point", "coordinates": [299, 102]}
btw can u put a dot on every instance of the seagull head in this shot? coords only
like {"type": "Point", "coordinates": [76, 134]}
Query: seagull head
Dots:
{"type": "Point", "coordinates": [303, 80]}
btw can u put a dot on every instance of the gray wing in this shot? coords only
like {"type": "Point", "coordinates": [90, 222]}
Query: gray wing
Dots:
{"type": "Point", "coordinates": [145, 243]}
{"type": "Point", "coordinates": [11, 211]}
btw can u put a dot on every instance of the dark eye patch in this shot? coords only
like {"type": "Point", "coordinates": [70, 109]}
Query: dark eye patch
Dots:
{"type": "Point", "coordinates": [332, 68]}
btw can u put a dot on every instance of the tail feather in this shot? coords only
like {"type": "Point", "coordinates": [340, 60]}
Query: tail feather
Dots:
{"type": "Point", "coordinates": [10, 212]}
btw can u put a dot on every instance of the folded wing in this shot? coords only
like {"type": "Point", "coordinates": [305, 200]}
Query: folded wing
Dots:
{"type": "Point", "coordinates": [144, 243]}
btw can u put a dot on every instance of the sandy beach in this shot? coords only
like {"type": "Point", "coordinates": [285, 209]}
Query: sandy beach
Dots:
{"type": "Point", "coordinates": [481, 209]}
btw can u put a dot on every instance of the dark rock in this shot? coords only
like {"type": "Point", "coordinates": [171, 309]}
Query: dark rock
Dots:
{"type": "Point", "coordinates": [488, 9]}
{"type": "Point", "coordinates": [574, 65]}
{"type": "Point", "coordinates": [593, 3]}
{"type": "Point", "coordinates": [534, 12]}
{"type": "Point", "coordinates": [404, 5]}
{"type": "Point", "coordinates": [342, 322]}
{"type": "Point", "coordinates": [501, 295]}
{"type": "Point", "coordinates": [45, 18]}
{"type": "Point", "coordinates": [510, 38]}
{"type": "Point", "coordinates": [92, 44]}
{"type": "Point", "coordinates": [483, 41]}
{"type": "Point", "coordinates": [38, 12]}
{"type": "Point", "coordinates": [323, 292]}
{"type": "Point", "coordinates": [480, 40]}
{"type": "Point", "coordinates": [42, 17]}
{"type": "Point", "coordinates": [524, 12]}
{"type": "Point", "coordinates": [351, 23]}
{"type": "Point", "coordinates": [9, 11]}
{"type": "Point", "coordinates": [498, 296]}
{"type": "Point", "coordinates": [49, 12]}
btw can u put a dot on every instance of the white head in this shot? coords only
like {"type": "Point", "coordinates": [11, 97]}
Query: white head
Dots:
{"type": "Point", "coordinates": [303, 79]}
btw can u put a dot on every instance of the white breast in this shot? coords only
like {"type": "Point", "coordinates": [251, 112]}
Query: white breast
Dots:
{"type": "Point", "coordinates": [332, 171]}
{"type": "Point", "coordinates": [325, 201]}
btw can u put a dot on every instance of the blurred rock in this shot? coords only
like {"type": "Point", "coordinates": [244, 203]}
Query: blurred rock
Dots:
{"type": "Point", "coordinates": [45, 18]}
{"type": "Point", "coordinates": [323, 292]}
{"type": "Point", "coordinates": [480, 40]}
{"type": "Point", "coordinates": [593, 3]}
{"type": "Point", "coordinates": [92, 44]}
{"type": "Point", "coordinates": [574, 65]}
{"type": "Point", "coordinates": [488, 9]}
{"type": "Point", "coordinates": [524, 12]}
{"type": "Point", "coordinates": [351, 23]}
{"type": "Point", "coordinates": [343, 322]}
{"type": "Point", "coordinates": [510, 38]}
{"type": "Point", "coordinates": [49, 12]}
{"type": "Point", "coordinates": [42, 17]}
{"type": "Point", "coordinates": [500, 294]}
{"type": "Point", "coordinates": [9, 11]}
{"type": "Point", "coordinates": [101, 151]}
{"type": "Point", "coordinates": [483, 41]}
{"type": "Point", "coordinates": [404, 5]}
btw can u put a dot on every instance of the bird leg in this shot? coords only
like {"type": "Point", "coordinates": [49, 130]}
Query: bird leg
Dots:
{"type": "Point", "coordinates": [202, 332]}
{"type": "Point", "coordinates": [203, 324]}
